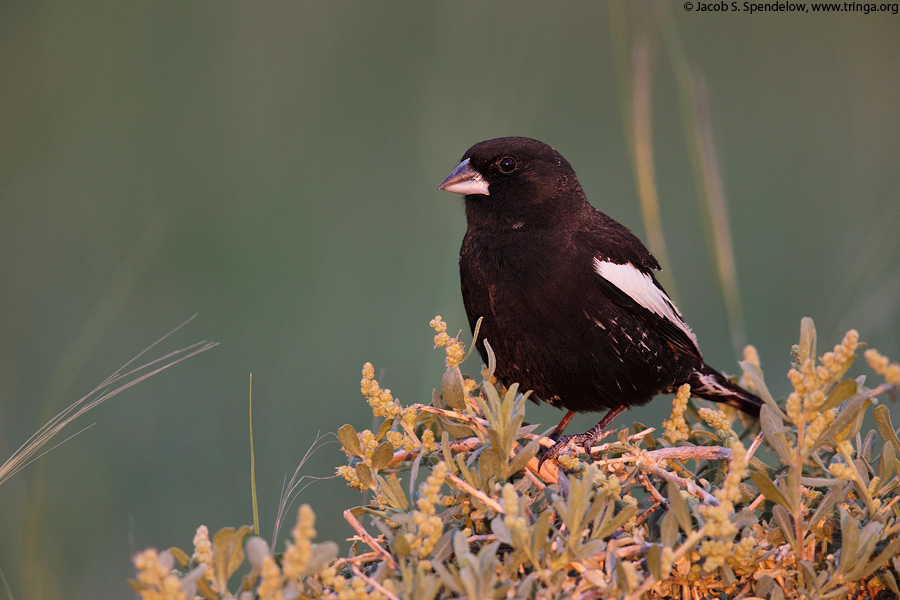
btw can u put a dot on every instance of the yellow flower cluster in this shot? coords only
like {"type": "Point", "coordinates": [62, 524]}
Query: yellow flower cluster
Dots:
{"type": "Point", "coordinates": [743, 553]}
{"type": "Point", "coordinates": [271, 580]}
{"type": "Point", "coordinates": [203, 553]}
{"type": "Point", "coordinates": [514, 521]}
{"type": "Point", "coordinates": [842, 471]}
{"type": "Point", "coordinates": [751, 356]}
{"type": "Point", "coordinates": [155, 576]}
{"type": "Point", "coordinates": [717, 518]}
{"type": "Point", "coordinates": [882, 365]}
{"type": "Point", "coordinates": [715, 553]}
{"type": "Point", "coordinates": [568, 461]}
{"type": "Point", "coordinates": [429, 525]}
{"type": "Point", "coordinates": [810, 378]}
{"type": "Point", "coordinates": [455, 349]}
{"type": "Point", "coordinates": [811, 385]}
{"type": "Point", "coordinates": [381, 401]}
{"type": "Point", "coordinates": [349, 473]}
{"type": "Point", "coordinates": [717, 419]}
{"type": "Point", "coordinates": [297, 554]}
{"type": "Point", "coordinates": [676, 428]}
{"type": "Point", "coordinates": [608, 482]}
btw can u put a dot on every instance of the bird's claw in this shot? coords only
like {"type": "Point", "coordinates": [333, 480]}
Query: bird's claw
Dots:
{"type": "Point", "coordinates": [586, 440]}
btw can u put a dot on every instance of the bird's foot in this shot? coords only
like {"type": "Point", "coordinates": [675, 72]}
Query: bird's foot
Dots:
{"type": "Point", "coordinates": [586, 440]}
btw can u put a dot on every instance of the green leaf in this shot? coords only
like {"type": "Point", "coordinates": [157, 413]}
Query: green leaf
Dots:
{"type": "Point", "coordinates": [180, 555]}
{"type": "Point", "coordinates": [522, 458]}
{"type": "Point", "coordinates": [807, 347]}
{"type": "Point", "coordinates": [679, 507]}
{"type": "Point", "coordinates": [228, 552]}
{"type": "Point", "coordinates": [452, 388]}
{"type": "Point", "coordinates": [849, 541]}
{"type": "Point", "coordinates": [868, 537]}
{"type": "Point", "coordinates": [668, 529]}
{"type": "Point", "coordinates": [448, 454]}
{"type": "Point", "coordinates": [654, 562]}
{"type": "Point", "coordinates": [489, 467]}
{"type": "Point", "coordinates": [883, 417]}
{"type": "Point", "coordinates": [400, 545]}
{"type": "Point", "coordinates": [839, 393]}
{"type": "Point", "coordinates": [391, 490]}
{"type": "Point", "coordinates": [826, 505]}
{"type": "Point", "coordinates": [887, 576]}
{"type": "Point", "coordinates": [364, 473]}
{"type": "Point", "coordinates": [768, 489]}
{"type": "Point", "coordinates": [492, 362]}
{"type": "Point", "coordinates": [322, 554]}
{"type": "Point", "coordinates": [347, 436]}
{"type": "Point", "coordinates": [498, 526]}
{"type": "Point", "coordinates": [541, 530]}
{"type": "Point", "coordinates": [853, 410]}
{"type": "Point", "coordinates": [886, 461]}
{"type": "Point", "coordinates": [622, 517]}
{"type": "Point", "coordinates": [773, 429]}
{"type": "Point", "coordinates": [383, 429]}
{"type": "Point", "coordinates": [756, 376]}
{"type": "Point", "coordinates": [382, 456]}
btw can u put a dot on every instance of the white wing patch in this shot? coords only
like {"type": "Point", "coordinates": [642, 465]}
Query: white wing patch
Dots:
{"type": "Point", "coordinates": [640, 287]}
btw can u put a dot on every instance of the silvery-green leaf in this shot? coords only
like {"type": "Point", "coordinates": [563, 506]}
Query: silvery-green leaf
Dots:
{"type": "Point", "coordinates": [888, 577]}
{"type": "Point", "coordinates": [756, 376]}
{"type": "Point", "coordinates": [865, 450]}
{"type": "Point", "coordinates": [541, 530]}
{"type": "Point", "coordinates": [773, 429]}
{"type": "Point", "coordinates": [622, 517]}
{"type": "Point", "coordinates": [679, 507]}
{"type": "Point", "coordinates": [322, 554]}
{"type": "Point", "coordinates": [807, 347]}
{"type": "Point", "coordinates": [414, 474]}
{"type": "Point", "coordinates": [785, 524]}
{"type": "Point", "coordinates": [392, 492]}
{"type": "Point", "coordinates": [882, 416]}
{"type": "Point", "coordinates": [852, 410]}
{"type": "Point", "coordinates": [498, 526]}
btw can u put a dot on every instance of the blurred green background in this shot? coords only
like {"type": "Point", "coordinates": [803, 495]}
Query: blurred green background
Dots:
{"type": "Point", "coordinates": [273, 167]}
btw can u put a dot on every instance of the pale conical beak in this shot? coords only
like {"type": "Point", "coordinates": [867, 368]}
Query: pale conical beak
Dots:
{"type": "Point", "coordinates": [465, 180]}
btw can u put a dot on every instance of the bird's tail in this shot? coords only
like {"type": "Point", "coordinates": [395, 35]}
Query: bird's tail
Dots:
{"type": "Point", "coordinates": [712, 385]}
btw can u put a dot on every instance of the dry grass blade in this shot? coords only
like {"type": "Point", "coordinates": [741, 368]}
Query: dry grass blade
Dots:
{"type": "Point", "coordinates": [122, 379]}
{"type": "Point", "coordinates": [292, 488]}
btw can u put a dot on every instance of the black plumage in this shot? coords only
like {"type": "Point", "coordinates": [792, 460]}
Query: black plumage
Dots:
{"type": "Point", "coordinates": [569, 300]}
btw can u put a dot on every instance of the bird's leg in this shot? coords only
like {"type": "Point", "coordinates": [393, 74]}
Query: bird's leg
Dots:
{"type": "Point", "coordinates": [557, 431]}
{"type": "Point", "coordinates": [586, 439]}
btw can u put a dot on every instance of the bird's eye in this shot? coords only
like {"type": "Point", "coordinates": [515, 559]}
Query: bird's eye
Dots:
{"type": "Point", "coordinates": [507, 164]}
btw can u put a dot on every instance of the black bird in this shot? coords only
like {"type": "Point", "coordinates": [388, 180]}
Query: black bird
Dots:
{"type": "Point", "coordinates": [569, 301]}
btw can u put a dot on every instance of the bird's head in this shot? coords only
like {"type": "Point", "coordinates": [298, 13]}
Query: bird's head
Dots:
{"type": "Point", "coordinates": [515, 181]}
